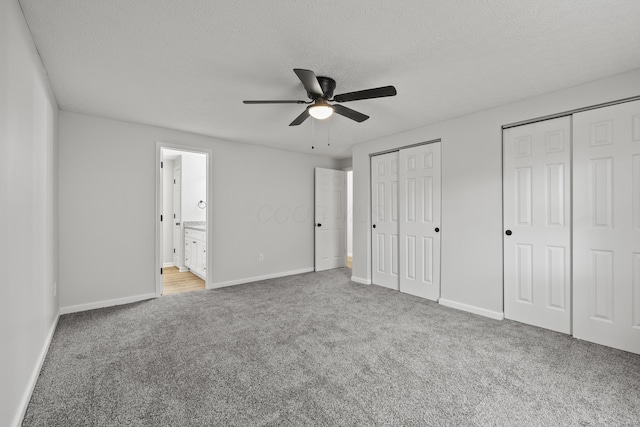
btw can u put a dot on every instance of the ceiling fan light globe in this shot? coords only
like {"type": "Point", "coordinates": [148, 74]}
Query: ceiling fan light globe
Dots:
{"type": "Point", "coordinates": [321, 112]}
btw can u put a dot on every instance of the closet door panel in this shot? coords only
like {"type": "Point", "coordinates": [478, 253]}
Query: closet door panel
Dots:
{"type": "Point", "coordinates": [420, 220]}
{"type": "Point", "coordinates": [384, 220]}
{"type": "Point", "coordinates": [537, 239]}
{"type": "Point", "coordinates": [606, 226]}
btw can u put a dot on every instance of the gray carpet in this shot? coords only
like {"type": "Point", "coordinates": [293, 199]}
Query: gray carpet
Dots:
{"type": "Point", "coordinates": [317, 349]}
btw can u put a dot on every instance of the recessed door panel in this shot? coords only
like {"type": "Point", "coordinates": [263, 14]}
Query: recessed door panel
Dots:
{"type": "Point", "coordinates": [523, 195]}
{"type": "Point", "coordinates": [635, 190]}
{"type": "Point", "coordinates": [636, 290]}
{"type": "Point", "coordinates": [601, 286]}
{"type": "Point", "coordinates": [537, 239]}
{"type": "Point", "coordinates": [557, 277]}
{"type": "Point", "coordinates": [606, 227]}
{"type": "Point", "coordinates": [601, 176]}
{"type": "Point", "coordinates": [555, 195]}
{"type": "Point", "coordinates": [524, 273]}
{"type": "Point", "coordinates": [410, 269]}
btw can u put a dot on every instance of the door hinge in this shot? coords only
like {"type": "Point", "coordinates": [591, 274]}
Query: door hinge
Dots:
{"type": "Point", "coordinates": [174, 250]}
{"type": "Point", "coordinates": [161, 165]}
{"type": "Point", "coordinates": [174, 215]}
{"type": "Point", "coordinates": [160, 218]}
{"type": "Point", "coordinates": [174, 181]}
{"type": "Point", "coordinates": [160, 270]}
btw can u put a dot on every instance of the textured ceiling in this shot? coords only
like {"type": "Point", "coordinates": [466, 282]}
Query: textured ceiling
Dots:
{"type": "Point", "coordinates": [189, 64]}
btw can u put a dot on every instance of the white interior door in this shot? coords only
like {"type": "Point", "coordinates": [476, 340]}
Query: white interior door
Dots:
{"type": "Point", "coordinates": [177, 209]}
{"type": "Point", "coordinates": [606, 260]}
{"type": "Point", "coordinates": [384, 220]}
{"type": "Point", "coordinates": [419, 225]}
{"type": "Point", "coordinates": [331, 219]}
{"type": "Point", "coordinates": [537, 215]}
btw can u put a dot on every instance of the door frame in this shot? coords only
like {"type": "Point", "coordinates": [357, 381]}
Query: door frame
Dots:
{"type": "Point", "coordinates": [158, 210]}
{"type": "Point", "coordinates": [348, 211]}
{"type": "Point", "coordinates": [370, 216]}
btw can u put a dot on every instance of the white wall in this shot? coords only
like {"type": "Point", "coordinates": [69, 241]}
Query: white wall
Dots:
{"type": "Point", "coordinates": [194, 186]}
{"type": "Point", "coordinates": [256, 191]}
{"type": "Point", "coordinates": [472, 188]}
{"type": "Point", "coordinates": [28, 206]}
{"type": "Point", "coordinates": [346, 163]}
{"type": "Point", "coordinates": [167, 212]}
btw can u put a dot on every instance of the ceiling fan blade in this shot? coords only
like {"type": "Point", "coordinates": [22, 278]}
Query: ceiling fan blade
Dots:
{"type": "Point", "coordinates": [378, 92]}
{"type": "Point", "coordinates": [301, 118]}
{"type": "Point", "coordinates": [309, 81]}
{"type": "Point", "coordinates": [284, 101]}
{"type": "Point", "coordinates": [349, 113]}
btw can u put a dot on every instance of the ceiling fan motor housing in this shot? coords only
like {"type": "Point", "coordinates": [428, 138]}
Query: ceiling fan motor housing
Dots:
{"type": "Point", "coordinates": [328, 85]}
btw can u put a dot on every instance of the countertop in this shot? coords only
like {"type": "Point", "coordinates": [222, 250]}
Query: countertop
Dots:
{"type": "Point", "coordinates": [195, 225]}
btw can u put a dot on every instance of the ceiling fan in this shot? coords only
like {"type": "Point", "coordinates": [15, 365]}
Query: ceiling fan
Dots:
{"type": "Point", "coordinates": [320, 91]}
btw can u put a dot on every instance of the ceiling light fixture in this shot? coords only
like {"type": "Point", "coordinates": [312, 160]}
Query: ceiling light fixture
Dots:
{"type": "Point", "coordinates": [321, 110]}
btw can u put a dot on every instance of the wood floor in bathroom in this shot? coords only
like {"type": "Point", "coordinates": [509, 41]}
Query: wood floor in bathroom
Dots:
{"type": "Point", "coordinates": [175, 282]}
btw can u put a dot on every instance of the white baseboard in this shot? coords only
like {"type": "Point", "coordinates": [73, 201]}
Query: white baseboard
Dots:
{"type": "Point", "coordinates": [258, 278]}
{"type": "Point", "coordinates": [195, 273]}
{"type": "Point", "coordinates": [167, 264]}
{"type": "Point", "coordinates": [26, 397]}
{"type": "Point", "coordinates": [497, 315]}
{"type": "Point", "coordinates": [105, 303]}
{"type": "Point", "coordinates": [350, 254]}
{"type": "Point", "coordinates": [360, 280]}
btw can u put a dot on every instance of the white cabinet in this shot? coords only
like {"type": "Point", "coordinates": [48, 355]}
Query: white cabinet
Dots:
{"type": "Point", "coordinates": [195, 252]}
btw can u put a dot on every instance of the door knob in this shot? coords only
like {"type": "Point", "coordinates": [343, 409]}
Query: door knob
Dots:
{"type": "Point", "coordinates": [374, 226]}
{"type": "Point", "coordinates": [508, 232]}
{"type": "Point", "coordinates": [319, 225]}
{"type": "Point", "coordinates": [437, 230]}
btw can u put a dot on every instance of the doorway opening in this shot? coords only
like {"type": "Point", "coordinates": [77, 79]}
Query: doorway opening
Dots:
{"type": "Point", "coordinates": [183, 227]}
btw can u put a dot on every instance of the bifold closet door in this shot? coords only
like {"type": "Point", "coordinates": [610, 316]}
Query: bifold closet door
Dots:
{"type": "Point", "coordinates": [384, 220]}
{"type": "Point", "coordinates": [331, 219]}
{"type": "Point", "coordinates": [420, 221]}
{"type": "Point", "coordinates": [606, 226]}
{"type": "Point", "coordinates": [537, 224]}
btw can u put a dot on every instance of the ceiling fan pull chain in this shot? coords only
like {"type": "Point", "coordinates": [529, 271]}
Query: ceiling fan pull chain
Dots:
{"type": "Point", "coordinates": [313, 134]}
{"type": "Point", "coordinates": [329, 134]}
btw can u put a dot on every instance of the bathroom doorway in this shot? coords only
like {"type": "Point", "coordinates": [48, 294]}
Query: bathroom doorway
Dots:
{"type": "Point", "coordinates": [183, 237]}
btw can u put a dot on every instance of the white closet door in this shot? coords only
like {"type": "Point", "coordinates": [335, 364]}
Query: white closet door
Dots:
{"type": "Point", "coordinates": [420, 221]}
{"type": "Point", "coordinates": [331, 220]}
{"type": "Point", "coordinates": [606, 256]}
{"type": "Point", "coordinates": [384, 212]}
{"type": "Point", "coordinates": [537, 251]}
